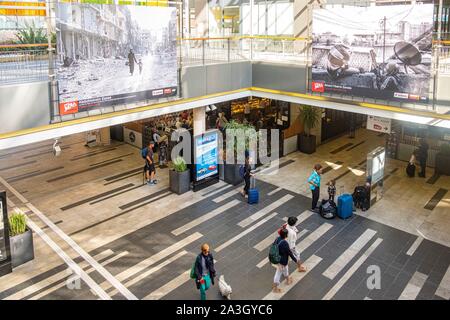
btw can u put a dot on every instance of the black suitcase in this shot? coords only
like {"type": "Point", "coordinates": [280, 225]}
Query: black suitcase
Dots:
{"type": "Point", "coordinates": [411, 170]}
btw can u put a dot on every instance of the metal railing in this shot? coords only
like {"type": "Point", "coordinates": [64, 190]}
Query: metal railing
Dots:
{"type": "Point", "coordinates": [23, 63]}
{"type": "Point", "coordinates": [29, 63]}
{"type": "Point", "coordinates": [203, 51]}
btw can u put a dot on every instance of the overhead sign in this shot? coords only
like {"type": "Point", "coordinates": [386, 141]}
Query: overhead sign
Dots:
{"type": "Point", "coordinates": [379, 124]}
{"type": "Point", "coordinates": [380, 52]}
{"type": "Point", "coordinates": [206, 155]}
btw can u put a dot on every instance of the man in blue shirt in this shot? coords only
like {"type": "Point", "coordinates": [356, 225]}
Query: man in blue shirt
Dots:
{"type": "Point", "coordinates": [314, 185]}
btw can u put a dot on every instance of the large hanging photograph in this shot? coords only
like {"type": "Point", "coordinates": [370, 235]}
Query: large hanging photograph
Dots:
{"type": "Point", "coordinates": [114, 54]}
{"type": "Point", "coordinates": [380, 52]}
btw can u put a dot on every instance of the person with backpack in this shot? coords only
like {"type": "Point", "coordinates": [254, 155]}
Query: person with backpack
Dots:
{"type": "Point", "coordinates": [292, 240]}
{"type": "Point", "coordinates": [203, 271]}
{"type": "Point", "coordinates": [150, 171]}
{"type": "Point", "coordinates": [422, 156]}
{"type": "Point", "coordinates": [279, 254]}
{"type": "Point", "coordinates": [246, 172]}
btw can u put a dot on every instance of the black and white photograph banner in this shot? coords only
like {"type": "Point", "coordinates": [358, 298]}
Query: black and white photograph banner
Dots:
{"type": "Point", "coordinates": [114, 54]}
{"type": "Point", "coordinates": [379, 52]}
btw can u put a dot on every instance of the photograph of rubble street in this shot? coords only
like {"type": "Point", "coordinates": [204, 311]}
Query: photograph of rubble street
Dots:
{"type": "Point", "coordinates": [374, 52]}
{"type": "Point", "coordinates": [115, 51]}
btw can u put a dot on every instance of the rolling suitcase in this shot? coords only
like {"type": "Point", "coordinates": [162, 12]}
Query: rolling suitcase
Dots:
{"type": "Point", "coordinates": [345, 206]}
{"type": "Point", "coordinates": [253, 193]}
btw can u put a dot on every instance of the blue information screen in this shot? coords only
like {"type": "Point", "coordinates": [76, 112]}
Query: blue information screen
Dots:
{"type": "Point", "coordinates": [206, 155]}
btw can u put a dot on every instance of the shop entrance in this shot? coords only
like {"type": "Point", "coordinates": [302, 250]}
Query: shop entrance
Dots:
{"type": "Point", "coordinates": [336, 122]}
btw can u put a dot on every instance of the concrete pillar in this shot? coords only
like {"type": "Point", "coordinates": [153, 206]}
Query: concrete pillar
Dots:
{"type": "Point", "coordinates": [105, 136]}
{"type": "Point", "coordinates": [199, 121]}
{"type": "Point", "coordinates": [201, 18]}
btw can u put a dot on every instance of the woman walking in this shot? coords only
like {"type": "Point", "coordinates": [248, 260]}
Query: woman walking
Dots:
{"type": "Point", "coordinates": [204, 271]}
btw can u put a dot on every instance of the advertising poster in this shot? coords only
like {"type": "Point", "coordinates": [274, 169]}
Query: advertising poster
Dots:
{"type": "Point", "coordinates": [380, 52]}
{"type": "Point", "coordinates": [114, 54]}
{"type": "Point", "coordinates": [206, 155]}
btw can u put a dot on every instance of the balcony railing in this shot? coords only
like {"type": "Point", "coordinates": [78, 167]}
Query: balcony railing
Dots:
{"type": "Point", "coordinates": [29, 62]}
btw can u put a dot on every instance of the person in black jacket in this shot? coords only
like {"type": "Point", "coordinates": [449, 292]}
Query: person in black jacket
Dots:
{"type": "Point", "coordinates": [247, 174]}
{"type": "Point", "coordinates": [282, 267]}
{"type": "Point", "coordinates": [204, 271]}
{"type": "Point", "coordinates": [422, 155]}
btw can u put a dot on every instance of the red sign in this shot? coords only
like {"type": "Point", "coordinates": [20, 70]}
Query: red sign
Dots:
{"type": "Point", "coordinates": [68, 107]}
{"type": "Point", "coordinates": [318, 86]}
{"type": "Point", "coordinates": [168, 91]}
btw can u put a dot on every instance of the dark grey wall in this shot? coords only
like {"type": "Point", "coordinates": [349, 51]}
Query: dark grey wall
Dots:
{"type": "Point", "coordinates": [202, 80]}
{"type": "Point", "coordinates": [286, 77]}
{"type": "Point", "coordinates": [24, 106]}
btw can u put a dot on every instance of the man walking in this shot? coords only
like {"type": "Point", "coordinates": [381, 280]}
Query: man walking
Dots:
{"type": "Point", "coordinates": [283, 268]}
{"type": "Point", "coordinates": [292, 240]}
{"type": "Point", "coordinates": [131, 60]}
{"type": "Point", "coordinates": [150, 165]}
{"type": "Point", "coordinates": [422, 156]}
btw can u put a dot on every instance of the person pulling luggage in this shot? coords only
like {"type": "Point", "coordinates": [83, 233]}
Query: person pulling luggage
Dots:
{"type": "Point", "coordinates": [247, 174]}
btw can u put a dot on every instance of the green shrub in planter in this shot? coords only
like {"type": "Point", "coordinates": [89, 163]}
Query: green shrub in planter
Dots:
{"type": "Point", "coordinates": [179, 165]}
{"type": "Point", "coordinates": [21, 240]}
{"type": "Point", "coordinates": [17, 224]}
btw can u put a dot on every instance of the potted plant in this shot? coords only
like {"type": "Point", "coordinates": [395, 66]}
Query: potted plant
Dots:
{"type": "Point", "coordinates": [442, 161]}
{"type": "Point", "coordinates": [231, 170]}
{"type": "Point", "coordinates": [179, 176]}
{"type": "Point", "coordinates": [21, 240]}
{"type": "Point", "coordinates": [306, 141]}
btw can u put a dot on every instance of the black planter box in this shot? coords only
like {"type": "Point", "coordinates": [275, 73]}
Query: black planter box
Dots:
{"type": "Point", "coordinates": [442, 163]}
{"type": "Point", "coordinates": [231, 174]}
{"type": "Point", "coordinates": [180, 182]}
{"type": "Point", "coordinates": [22, 249]}
{"type": "Point", "coordinates": [306, 144]}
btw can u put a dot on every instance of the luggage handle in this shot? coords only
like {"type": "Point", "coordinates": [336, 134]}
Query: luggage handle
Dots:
{"type": "Point", "coordinates": [252, 182]}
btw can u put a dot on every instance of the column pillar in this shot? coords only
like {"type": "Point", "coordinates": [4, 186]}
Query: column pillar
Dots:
{"type": "Point", "coordinates": [201, 18]}
{"type": "Point", "coordinates": [199, 121]}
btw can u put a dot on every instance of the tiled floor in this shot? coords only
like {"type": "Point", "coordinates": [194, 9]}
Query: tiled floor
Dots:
{"type": "Point", "coordinates": [134, 240]}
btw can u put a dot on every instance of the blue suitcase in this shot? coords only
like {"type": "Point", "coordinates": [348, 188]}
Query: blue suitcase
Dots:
{"type": "Point", "coordinates": [345, 206]}
{"type": "Point", "coordinates": [253, 193]}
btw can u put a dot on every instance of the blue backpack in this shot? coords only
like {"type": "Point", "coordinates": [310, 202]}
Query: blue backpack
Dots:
{"type": "Point", "coordinates": [242, 171]}
{"type": "Point", "coordinates": [144, 153]}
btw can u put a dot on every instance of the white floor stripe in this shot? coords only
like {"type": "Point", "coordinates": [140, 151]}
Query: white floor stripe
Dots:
{"type": "Point", "coordinates": [227, 195]}
{"type": "Point", "coordinates": [310, 264]}
{"type": "Point", "coordinates": [90, 270]}
{"type": "Point", "coordinates": [105, 273]}
{"type": "Point", "coordinates": [245, 232]}
{"type": "Point", "coordinates": [108, 276]}
{"type": "Point", "coordinates": [414, 246]}
{"type": "Point", "coordinates": [304, 244]}
{"type": "Point", "coordinates": [216, 191]}
{"type": "Point", "coordinates": [170, 286]}
{"type": "Point", "coordinates": [151, 271]}
{"type": "Point", "coordinates": [205, 217]}
{"type": "Point", "coordinates": [52, 279]}
{"type": "Point", "coordinates": [367, 298]}
{"type": "Point", "coordinates": [70, 263]}
{"type": "Point", "coordinates": [443, 290]}
{"type": "Point", "coordinates": [352, 270]}
{"type": "Point", "coordinates": [271, 207]}
{"type": "Point", "coordinates": [144, 264]}
{"type": "Point", "coordinates": [414, 286]}
{"type": "Point", "coordinates": [271, 193]}
{"type": "Point", "coordinates": [349, 254]}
